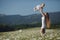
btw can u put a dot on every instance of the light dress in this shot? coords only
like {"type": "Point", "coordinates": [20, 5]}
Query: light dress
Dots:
{"type": "Point", "coordinates": [43, 22]}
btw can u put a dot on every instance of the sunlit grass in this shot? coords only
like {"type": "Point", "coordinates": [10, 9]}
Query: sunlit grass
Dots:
{"type": "Point", "coordinates": [30, 34]}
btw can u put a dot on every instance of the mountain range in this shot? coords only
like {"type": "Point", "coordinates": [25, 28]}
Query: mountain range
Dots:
{"type": "Point", "coordinates": [34, 18]}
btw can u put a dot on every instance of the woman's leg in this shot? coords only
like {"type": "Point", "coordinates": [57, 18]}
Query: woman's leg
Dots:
{"type": "Point", "coordinates": [42, 30]}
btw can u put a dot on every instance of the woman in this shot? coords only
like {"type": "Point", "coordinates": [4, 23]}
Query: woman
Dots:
{"type": "Point", "coordinates": [45, 17]}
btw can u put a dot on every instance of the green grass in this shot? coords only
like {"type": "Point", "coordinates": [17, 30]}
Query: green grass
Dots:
{"type": "Point", "coordinates": [30, 34]}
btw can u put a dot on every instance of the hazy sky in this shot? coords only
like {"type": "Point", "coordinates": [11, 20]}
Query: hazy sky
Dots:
{"type": "Point", "coordinates": [25, 7]}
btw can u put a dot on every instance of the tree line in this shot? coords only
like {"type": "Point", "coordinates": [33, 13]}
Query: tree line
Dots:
{"type": "Point", "coordinates": [8, 27]}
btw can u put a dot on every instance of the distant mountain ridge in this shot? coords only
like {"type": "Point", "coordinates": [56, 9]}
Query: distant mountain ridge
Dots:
{"type": "Point", "coordinates": [34, 18]}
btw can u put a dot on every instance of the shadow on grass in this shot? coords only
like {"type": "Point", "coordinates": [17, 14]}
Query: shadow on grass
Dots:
{"type": "Point", "coordinates": [8, 29]}
{"type": "Point", "coordinates": [12, 28]}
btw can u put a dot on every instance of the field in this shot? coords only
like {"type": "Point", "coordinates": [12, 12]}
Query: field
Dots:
{"type": "Point", "coordinates": [30, 34]}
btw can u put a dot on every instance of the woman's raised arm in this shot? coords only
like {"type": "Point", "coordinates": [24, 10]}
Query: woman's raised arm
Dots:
{"type": "Point", "coordinates": [41, 9]}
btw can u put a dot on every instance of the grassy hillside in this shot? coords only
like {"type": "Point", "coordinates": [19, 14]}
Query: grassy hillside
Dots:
{"type": "Point", "coordinates": [30, 34]}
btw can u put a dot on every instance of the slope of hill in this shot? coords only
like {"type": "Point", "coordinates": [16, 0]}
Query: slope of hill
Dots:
{"type": "Point", "coordinates": [18, 19]}
{"type": "Point", "coordinates": [30, 34]}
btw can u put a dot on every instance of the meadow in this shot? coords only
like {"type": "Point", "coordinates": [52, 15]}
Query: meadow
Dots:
{"type": "Point", "coordinates": [30, 34]}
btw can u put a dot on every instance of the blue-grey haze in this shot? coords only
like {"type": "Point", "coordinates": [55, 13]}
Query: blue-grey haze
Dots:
{"type": "Point", "coordinates": [25, 7]}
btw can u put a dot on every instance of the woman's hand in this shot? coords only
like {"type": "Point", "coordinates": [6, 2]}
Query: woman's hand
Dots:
{"type": "Point", "coordinates": [41, 6]}
{"type": "Point", "coordinates": [41, 9]}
